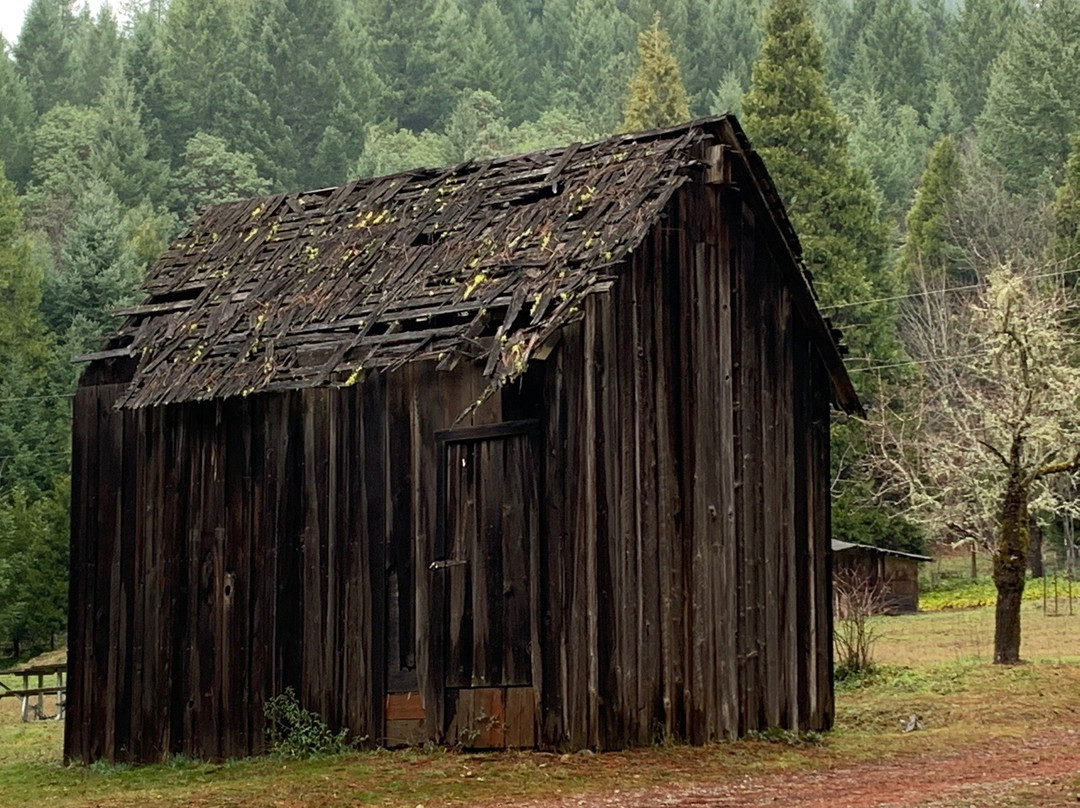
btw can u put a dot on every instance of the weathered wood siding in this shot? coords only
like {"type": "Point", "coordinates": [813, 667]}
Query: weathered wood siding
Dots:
{"type": "Point", "coordinates": [686, 501]}
{"type": "Point", "coordinates": [222, 552]}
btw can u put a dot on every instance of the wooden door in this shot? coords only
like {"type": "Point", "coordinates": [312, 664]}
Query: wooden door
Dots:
{"type": "Point", "coordinates": [489, 543]}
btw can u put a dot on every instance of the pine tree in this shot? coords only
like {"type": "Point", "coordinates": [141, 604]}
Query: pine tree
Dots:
{"type": "Point", "coordinates": [32, 432]}
{"type": "Point", "coordinates": [76, 148]}
{"type": "Point", "coordinates": [938, 22]}
{"type": "Point", "coordinates": [416, 48]}
{"type": "Point", "coordinates": [657, 96]}
{"type": "Point", "coordinates": [849, 37]}
{"type": "Point", "coordinates": [927, 252]}
{"type": "Point", "coordinates": [598, 64]}
{"type": "Point", "coordinates": [556, 33]}
{"type": "Point", "coordinates": [981, 31]}
{"type": "Point", "coordinates": [946, 117]}
{"type": "Point", "coordinates": [143, 67]}
{"type": "Point", "coordinates": [20, 279]}
{"type": "Point", "coordinates": [493, 61]}
{"type": "Point", "coordinates": [95, 54]}
{"type": "Point", "coordinates": [17, 120]}
{"type": "Point", "coordinates": [201, 82]}
{"type": "Point", "coordinates": [832, 21]}
{"type": "Point", "coordinates": [676, 16]}
{"type": "Point", "coordinates": [889, 55]}
{"type": "Point", "coordinates": [728, 95]}
{"type": "Point", "coordinates": [1033, 101]}
{"type": "Point", "coordinates": [803, 141]}
{"type": "Point", "coordinates": [96, 271]}
{"type": "Point", "coordinates": [63, 166]}
{"type": "Point", "coordinates": [212, 173]}
{"type": "Point", "coordinates": [121, 151]}
{"type": "Point", "coordinates": [43, 52]}
{"type": "Point", "coordinates": [1066, 244]}
{"type": "Point", "coordinates": [788, 110]}
{"type": "Point", "coordinates": [719, 70]}
{"type": "Point", "coordinates": [890, 144]}
{"type": "Point", "coordinates": [308, 70]}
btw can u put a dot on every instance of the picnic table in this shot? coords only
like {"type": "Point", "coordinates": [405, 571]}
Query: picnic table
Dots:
{"type": "Point", "coordinates": [33, 695]}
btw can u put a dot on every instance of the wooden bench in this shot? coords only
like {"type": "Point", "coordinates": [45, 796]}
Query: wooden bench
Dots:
{"type": "Point", "coordinates": [37, 710]}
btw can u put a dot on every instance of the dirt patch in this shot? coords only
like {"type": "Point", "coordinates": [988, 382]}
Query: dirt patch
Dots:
{"type": "Point", "coordinates": [1036, 772]}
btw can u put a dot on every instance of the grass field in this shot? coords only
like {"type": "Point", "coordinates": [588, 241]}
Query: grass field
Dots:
{"type": "Point", "coordinates": [933, 665]}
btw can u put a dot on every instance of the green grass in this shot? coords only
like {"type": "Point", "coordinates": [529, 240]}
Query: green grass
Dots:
{"type": "Point", "coordinates": [932, 665]}
{"type": "Point", "coordinates": [931, 638]}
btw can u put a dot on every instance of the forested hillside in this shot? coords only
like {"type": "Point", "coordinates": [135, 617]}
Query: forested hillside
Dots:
{"type": "Point", "coordinates": [919, 144]}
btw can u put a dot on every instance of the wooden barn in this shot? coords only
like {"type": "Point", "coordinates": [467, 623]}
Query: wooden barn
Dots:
{"type": "Point", "coordinates": [894, 571]}
{"type": "Point", "coordinates": [531, 451]}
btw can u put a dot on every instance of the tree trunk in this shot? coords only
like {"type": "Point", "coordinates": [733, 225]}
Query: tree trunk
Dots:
{"type": "Point", "coordinates": [1007, 626]}
{"type": "Point", "coordinates": [1010, 564]}
{"type": "Point", "coordinates": [1035, 557]}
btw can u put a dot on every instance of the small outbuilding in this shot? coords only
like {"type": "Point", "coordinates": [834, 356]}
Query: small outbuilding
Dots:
{"type": "Point", "coordinates": [894, 572]}
{"type": "Point", "coordinates": [529, 452]}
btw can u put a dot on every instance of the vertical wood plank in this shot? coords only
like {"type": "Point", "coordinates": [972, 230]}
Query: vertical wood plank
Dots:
{"type": "Point", "coordinates": [726, 601]}
{"type": "Point", "coordinates": [590, 537]}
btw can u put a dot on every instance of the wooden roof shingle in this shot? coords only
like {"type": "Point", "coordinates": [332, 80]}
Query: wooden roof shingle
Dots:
{"type": "Point", "coordinates": [486, 259]}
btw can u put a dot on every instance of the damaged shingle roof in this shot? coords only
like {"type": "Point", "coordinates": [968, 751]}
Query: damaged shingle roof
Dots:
{"type": "Point", "coordinates": [483, 260]}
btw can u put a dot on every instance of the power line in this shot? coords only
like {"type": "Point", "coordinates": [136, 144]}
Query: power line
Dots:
{"type": "Point", "coordinates": [929, 361]}
{"type": "Point", "coordinates": [35, 455]}
{"type": "Point", "coordinates": [894, 298]}
{"type": "Point", "coordinates": [928, 292]}
{"type": "Point", "coordinates": [37, 398]}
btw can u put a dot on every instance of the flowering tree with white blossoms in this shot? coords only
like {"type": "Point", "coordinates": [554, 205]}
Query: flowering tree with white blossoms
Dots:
{"type": "Point", "coordinates": [994, 417]}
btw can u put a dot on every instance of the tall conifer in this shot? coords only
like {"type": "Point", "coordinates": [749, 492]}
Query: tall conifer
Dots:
{"type": "Point", "coordinates": [657, 96]}
{"type": "Point", "coordinates": [927, 251]}
{"type": "Point", "coordinates": [1066, 244]}
{"type": "Point", "coordinates": [803, 140]}
{"type": "Point", "coordinates": [598, 63]}
{"type": "Point", "coordinates": [981, 31]}
{"type": "Point", "coordinates": [32, 429]}
{"type": "Point", "coordinates": [43, 52]}
{"type": "Point", "coordinates": [17, 121]}
{"type": "Point", "coordinates": [1033, 100]}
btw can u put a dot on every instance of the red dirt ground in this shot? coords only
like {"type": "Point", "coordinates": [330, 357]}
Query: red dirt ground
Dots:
{"type": "Point", "coordinates": [1037, 772]}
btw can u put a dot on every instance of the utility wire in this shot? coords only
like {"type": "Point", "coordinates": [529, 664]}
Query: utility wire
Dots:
{"type": "Point", "coordinates": [912, 295]}
{"type": "Point", "coordinates": [929, 361]}
{"type": "Point", "coordinates": [37, 398]}
{"type": "Point", "coordinates": [34, 455]}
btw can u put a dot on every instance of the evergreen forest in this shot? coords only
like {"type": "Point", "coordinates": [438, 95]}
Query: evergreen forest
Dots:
{"type": "Point", "coordinates": [928, 152]}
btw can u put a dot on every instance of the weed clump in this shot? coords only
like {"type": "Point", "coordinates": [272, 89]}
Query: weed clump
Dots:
{"type": "Point", "coordinates": [858, 599]}
{"type": "Point", "coordinates": [790, 737]}
{"type": "Point", "coordinates": [107, 768]}
{"type": "Point", "coordinates": [299, 733]}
